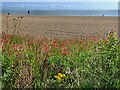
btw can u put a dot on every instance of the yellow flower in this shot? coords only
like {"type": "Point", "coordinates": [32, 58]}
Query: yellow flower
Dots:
{"type": "Point", "coordinates": [60, 76]}
{"type": "Point", "coordinates": [57, 77]}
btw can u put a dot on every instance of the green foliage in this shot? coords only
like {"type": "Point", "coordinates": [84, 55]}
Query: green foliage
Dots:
{"type": "Point", "coordinates": [90, 64]}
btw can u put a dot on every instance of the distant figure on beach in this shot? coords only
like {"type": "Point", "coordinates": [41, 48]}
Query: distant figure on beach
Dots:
{"type": "Point", "coordinates": [102, 15]}
{"type": "Point", "coordinates": [9, 14]}
{"type": "Point", "coordinates": [28, 12]}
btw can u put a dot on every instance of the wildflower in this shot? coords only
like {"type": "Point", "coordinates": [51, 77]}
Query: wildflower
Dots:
{"type": "Point", "coordinates": [15, 48]}
{"type": "Point", "coordinates": [63, 45]}
{"type": "Point", "coordinates": [2, 40]}
{"type": "Point", "coordinates": [55, 45]}
{"type": "Point", "coordinates": [57, 77]}
{"type": "Point", "coordinates": [54, 41]}
{"type": "Point", "coordinates": [60, 77]}
{"type": "Point", "coordinates": [17, 55]}
{"type": "Point", "coordinates": [2, 46]}
{"type": "Point", "coordinates": [46, 49]}
{"type": "Point", "coordinates": [94, 37]}
{"type": "Point", "coordinates": [4, 37]}
{"type": "Point", "coordinates": [42, 43]}
{"type": "Point", "coordinates": [64, 51]}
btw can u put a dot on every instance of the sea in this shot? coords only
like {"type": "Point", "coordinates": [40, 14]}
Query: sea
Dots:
{"type": "Point", "coordinates": [63, 12]}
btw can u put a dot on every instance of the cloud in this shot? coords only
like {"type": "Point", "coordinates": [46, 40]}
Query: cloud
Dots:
{"type": "Point", "coordinates": [21, 5]}
{"type": "Point", "coordinates": [60, 5]}
{"type": "Point", "coordinates": [12, 5]}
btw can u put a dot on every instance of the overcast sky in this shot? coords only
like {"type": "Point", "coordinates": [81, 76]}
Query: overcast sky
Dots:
{"type": "Point", "coordinates": [68, 5]}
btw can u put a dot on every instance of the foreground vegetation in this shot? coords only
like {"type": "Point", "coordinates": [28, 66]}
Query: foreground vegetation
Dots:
{"type": "Point", "coordinates": [86, 62]}
{"type": "Point", "coordinates": [42, 62]}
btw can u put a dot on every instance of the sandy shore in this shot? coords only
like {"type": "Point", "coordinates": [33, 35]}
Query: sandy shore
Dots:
{"type": "Point", "coordinates": [61, 25]}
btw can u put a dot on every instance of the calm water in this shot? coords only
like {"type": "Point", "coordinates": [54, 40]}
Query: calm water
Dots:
{"type": "Point", "coordinates": [65, 12]}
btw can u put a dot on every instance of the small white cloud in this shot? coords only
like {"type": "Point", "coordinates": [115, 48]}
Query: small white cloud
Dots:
{"type": "Point", "coordinates": [22, 5]}
{"type": "Point", "coordinates": [61, 5]}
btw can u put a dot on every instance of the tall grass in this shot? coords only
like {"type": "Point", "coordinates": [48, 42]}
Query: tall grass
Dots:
{"type": "Point", "coordinates": [86, 62]}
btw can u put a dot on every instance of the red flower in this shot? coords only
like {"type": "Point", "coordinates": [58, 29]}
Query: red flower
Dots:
{"type": "Point", "coordinates": [64, 50]}
{"type": "Point", "coordinates": [15, 48]}
{"type": "Point", "coordinates": [54, 41]}
{"type": "Point", "coordinates": [63, 45]}
{"type": "Point", "coordinates": [55, 44]}
{"type": "Point", "coordinates": [17, 54]}
{"type": "Point", "coordinates": [46, 49]}
{"type": "Point", "coordinates": [42, 43]}
{"type": "Point", "coordinates": [2, 40]}
{"type": "Point", "coordinates": [2, 46]}
{"type": "Point", "coordinates": [95, 37]}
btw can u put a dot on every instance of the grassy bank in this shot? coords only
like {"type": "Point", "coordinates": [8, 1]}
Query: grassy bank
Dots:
{"type": "Point", "coordinates": [91, 62]}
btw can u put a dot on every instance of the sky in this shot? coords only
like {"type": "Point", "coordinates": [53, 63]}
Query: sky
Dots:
{"type": "Point", "coordinates": [60, 0]}
{"type": "Point", "coordinates": [68, 5]}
